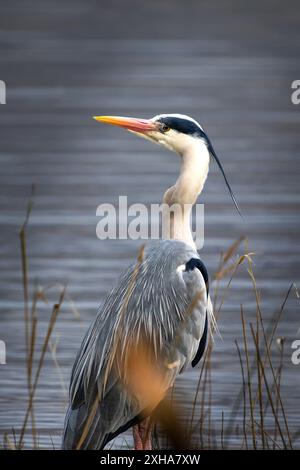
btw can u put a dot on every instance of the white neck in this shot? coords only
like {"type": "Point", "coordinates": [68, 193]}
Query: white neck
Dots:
{"type": "Point", "coordinates": [193, 173]}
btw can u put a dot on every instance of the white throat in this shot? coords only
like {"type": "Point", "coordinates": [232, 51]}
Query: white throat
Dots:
{"type": "Point", "coordinates": [180, 198]}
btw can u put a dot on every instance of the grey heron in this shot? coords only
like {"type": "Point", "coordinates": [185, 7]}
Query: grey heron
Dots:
{"type": "Point", "coordinates": [147, 305]}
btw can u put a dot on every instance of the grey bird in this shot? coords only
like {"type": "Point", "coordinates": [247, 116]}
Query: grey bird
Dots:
{"type": "Point", "coordinates": [162, 302]}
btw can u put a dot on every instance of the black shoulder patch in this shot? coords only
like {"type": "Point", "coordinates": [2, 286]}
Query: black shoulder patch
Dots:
{"type": "Point", "coordinates": [197, 263]}
{"type": "Point", "coordinates": [202, 344]}
{"type": "Point", "coordinates": [190, 266]}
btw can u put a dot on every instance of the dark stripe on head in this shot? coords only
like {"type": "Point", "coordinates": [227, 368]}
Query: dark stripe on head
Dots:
{"type": "Point", "coordinates": [185, 126]}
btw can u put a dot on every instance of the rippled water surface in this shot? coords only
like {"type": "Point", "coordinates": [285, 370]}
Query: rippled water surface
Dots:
{"type": "Point", "coordinates": [64, 62]}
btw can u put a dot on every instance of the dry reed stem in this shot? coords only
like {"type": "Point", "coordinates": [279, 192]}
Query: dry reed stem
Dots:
{"type": "Point", "coordinates": [51, 324]}
{"type": "Point", "coordinates": [267, 385]}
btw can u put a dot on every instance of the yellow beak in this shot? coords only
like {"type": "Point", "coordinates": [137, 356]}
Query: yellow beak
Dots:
{"type": "Point", "coordinates": [131, 124]}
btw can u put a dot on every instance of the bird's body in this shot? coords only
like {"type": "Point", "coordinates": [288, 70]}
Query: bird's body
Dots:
{"type": "Point", "coordinates": [157, 312]}
{"type": "Point", "coordinates": [160, 305]}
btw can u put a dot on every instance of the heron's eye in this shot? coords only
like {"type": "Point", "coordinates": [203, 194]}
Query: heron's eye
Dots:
{"type": "Point", "coordinates": [165, 128]}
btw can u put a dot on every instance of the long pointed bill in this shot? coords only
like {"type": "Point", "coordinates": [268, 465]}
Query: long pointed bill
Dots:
{"type": "Point", "coordinates": [213, 153]}
{"type": "Point", "coordinates": [131, 124]}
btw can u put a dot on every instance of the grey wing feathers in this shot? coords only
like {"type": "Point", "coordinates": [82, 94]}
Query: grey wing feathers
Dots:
{"type": "Point", "coordinates": [156, 310]}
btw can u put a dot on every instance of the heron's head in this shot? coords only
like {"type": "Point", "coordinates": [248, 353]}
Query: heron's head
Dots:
{"type": "Point", "coordinates": [176, 132]}
{"type": "Point", "coordinates": [173, 131]}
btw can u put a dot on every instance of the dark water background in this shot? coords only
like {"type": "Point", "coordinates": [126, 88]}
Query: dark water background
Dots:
{"type": "Point", "coordinates": [228, 64]}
